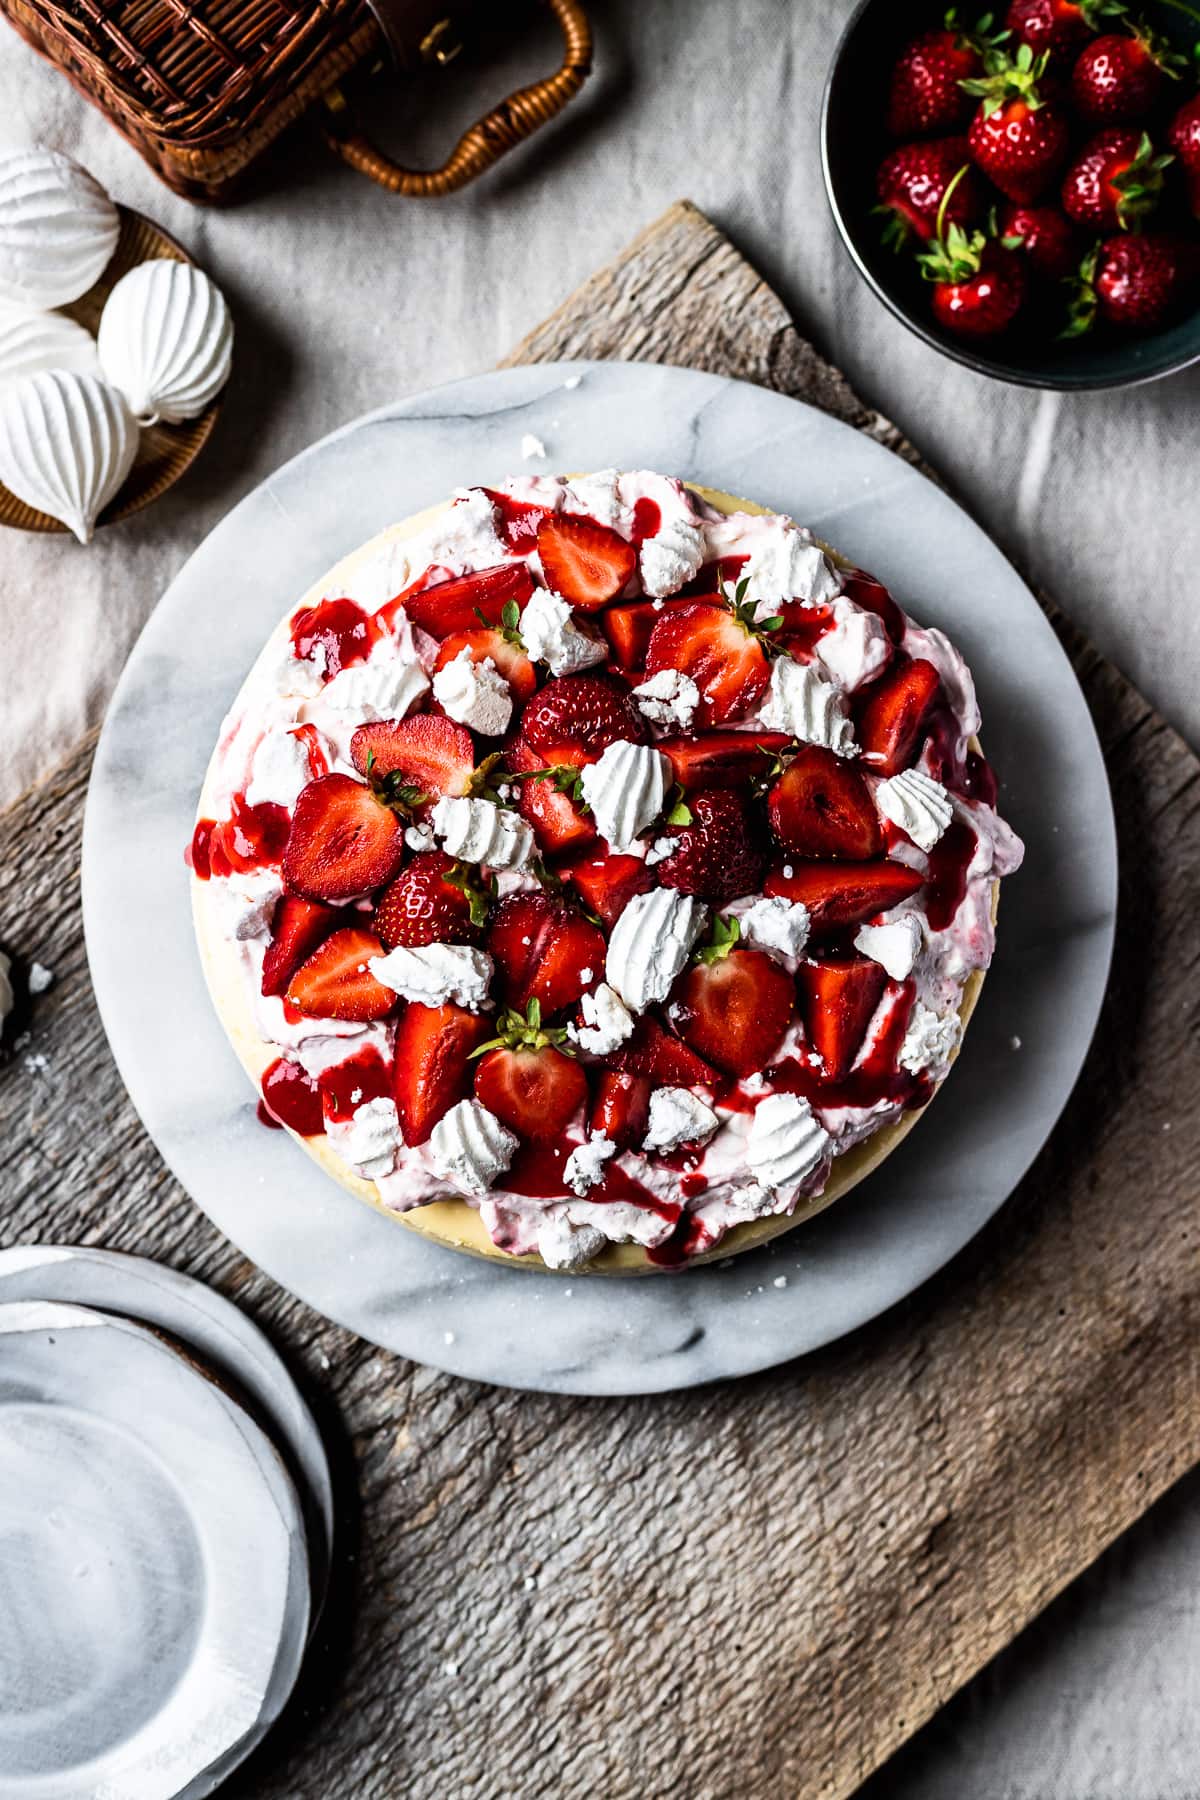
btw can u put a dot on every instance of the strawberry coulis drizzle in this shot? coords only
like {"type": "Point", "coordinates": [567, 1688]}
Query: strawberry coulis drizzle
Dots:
{"type": "Point", "coordinates": [291, 1097]}
{"type": "Point", "coordinates": [365, 1075]}
{"type": "Point", "coordinates": [536, 1173]}
{"type": "Point", "coordinates": [878, 1077]}
{"type": "Point", "coordinates": [252, 837]}
{"type": "Point", "coordinates": [341, 628]}
{"type": "Point", "coordinates": [647, 519]}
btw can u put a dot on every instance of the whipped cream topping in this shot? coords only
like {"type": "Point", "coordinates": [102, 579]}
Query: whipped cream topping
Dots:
{"type": "Point", "coordinates": [807, 708]}
{"type": "Point", "coordinates": [550, 635]}
{"type": "Point", "coordinates": [650, 943]}
{"type": "Point", "coordinates": [470, 1147]}
{"type": "Point", "coordinates": [786, 1144]}
{"type": "Point", "coordinates": [436, 973]}
{"type": "Point", "coordinates": [474, 694]}
{"type": "Point", "coordinates": [678, 1117]}
{"type": "Point", "coordinates": [626, 789]}
{"type": "Point", "coordinates": [918, 804]}
{"type": "Point", "coordinates": [777, 925]}
{"type": "Point", "coordinates": [760, 1155]}
{"type": "Point", "coordinates": [894, 945]}
{"type": "Point", "coordinates": [668, 701]}
{"type": "Point", "coordinates": [478, 831]}
{"type": "Point", "coordinates": [607, 1021]}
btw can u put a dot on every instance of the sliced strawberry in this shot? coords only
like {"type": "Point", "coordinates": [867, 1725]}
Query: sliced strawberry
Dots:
{"type": "Point", "coordinates": [722, 759]}
{"type": "Point", "coordinates": [536, 1093]}
{"type": "Point", "coordinates": [576, 717]}
{"type": "Point", "coordinates": [296, 930]}
{"type": "Point", "coordinates": [608, 883]}
{"type": "Point", "coordinates": [455, 605]}
{"type": "Point", "coordinates": [544, 951]}
{"type": "Point", "coordinates": [628, 628]}
{"type": "Point", "coordinates": [821, 807]}
{"type": "Point", "coordinates": [587, 563]}
{"type": "Point", "coordinates": [343, 841]}
{"type": "Point", "coordinates": [558, 824]}
{"type": "Point", "coordinates": [735, 1010]}
{"type": "Point", "coordinates": [894, 713]}
{"type": "Point", "coordinates": [720, 854]}
{"type": "Point", "coordinates": [621, 1108]}
{"type": "Point", "coordinates": [872, 596]}
{"type": "Point", "coordinates": [422, 907]}
{"type": "Point", "coordinates": [510, 661]}
{"type": "Point", "coordinates": [335, 982]}
{"type": "Point", "coordinates": [432, 754]}
{"type": "Point", "coordinates": [837, 999]}
{"type": "Point", "coordinates": [432, 1064]}
{"type": "Point", "coordinates": [724, 659]}
{"type": "Point", "coordinates": [518, 520]}
{"type": "Point", "coordinates": [660, 1057]}
{"type": "Point", "coordinates": [839, 894]}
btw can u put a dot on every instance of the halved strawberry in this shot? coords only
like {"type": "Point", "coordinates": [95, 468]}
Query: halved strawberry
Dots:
{"type": "Point", "coordinates": [722, 759]}
{"type": "Point", "coordinates": [609, 882]}
{"type": "Point", "coordinates": [455, 605]}
{"type": "Point", "coordinates": [839, 894]}
{"type": "Point", "coordinates": [735, 1009]}
{"type": "Point", "coordinates": [432, 754]}
{"type": "Point", "coordinates": [558, 824]}
{"type": "Point", "coordinates": [343, 841]}
{"type": "Point", "coordinates": [723, 658]}
{"type": "Point", "coordinates": [894, 713]}
{"type": "Point", "coordinates": [544, 951]}
{"type": "Point", "coordinates": [576, 717]}
{"type": "Point", "coordinates": [422, 906]}
{"type": "Point", "coordinates": [821, 807]}
{"type": "Point", "coordinates": [536, 1093]}
{"type": "Point", "coordinates": [837, 999]}
{"type": "Point", "coordinates": [628, 628]}
{"type": "Point", "coordinates": [621, 1107]}
{"type": "Point", "coordinates": [335, 982]}
{"type": "Point", "coordinates": [432, 1063]}
{"type": "Point", "coordinates": [510, 661]}
{"type": "Point", "coordinates": [585, 562]}
{"type": "Point", "coordinates": [872, 596]}
{"type": "Point", "coordinates": [296, 930]}
{"type": "Point", "coordinates": [661, 1057]}
{"type": "Point", "coordinates": [720, 854]}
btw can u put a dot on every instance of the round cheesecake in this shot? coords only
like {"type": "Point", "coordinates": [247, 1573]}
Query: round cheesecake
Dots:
{"type": "Point", "coordinates": [599, 873]}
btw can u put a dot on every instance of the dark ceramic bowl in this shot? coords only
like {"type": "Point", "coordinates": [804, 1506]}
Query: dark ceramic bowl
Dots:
{"type": "Point", "coordinates": [853, 144]}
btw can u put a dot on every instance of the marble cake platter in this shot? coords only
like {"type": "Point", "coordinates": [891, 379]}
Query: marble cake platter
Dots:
{"type": "Point", "coordinates": [152, 1561]}
{"type": "Point", "coordinates": [574, 1334]}
{"type": "Point", "coordinates": [203, 1321]}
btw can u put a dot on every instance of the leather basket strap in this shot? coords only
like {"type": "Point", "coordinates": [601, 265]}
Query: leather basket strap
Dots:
{"type": "Point", "coordinates": [418, 31]}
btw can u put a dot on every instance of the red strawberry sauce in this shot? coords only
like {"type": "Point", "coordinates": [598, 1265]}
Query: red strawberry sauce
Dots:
{"type": "Point", "coordinates": [537, 1172]}
{"type": "Point", "coordinates": [291, 1097]}
{"type": "Point", "coordinates": [198, 856]}
{"type": "Point", "coordinates": [340, 627]}
{"type": "Point", "coordinates": [353, 1083]}
{"type": "Point", "coordinates": [647, 519]}
{"type": "Point", "coordinates": [252, 837]}
{"type": "Point", "coordinates": [878, 1077]}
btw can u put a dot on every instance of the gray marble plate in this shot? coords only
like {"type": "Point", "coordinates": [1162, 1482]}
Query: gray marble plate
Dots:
{"type": "Point", "coordinates": [211, 1325]}
{"type": "Point", "coordinates": [512, 1326]}
{"type": "Point", "coordinates": [152, 1565]}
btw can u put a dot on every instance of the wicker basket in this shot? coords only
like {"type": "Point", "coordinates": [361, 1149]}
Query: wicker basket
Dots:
{"type": "Point", "coordinates": [202, 87]}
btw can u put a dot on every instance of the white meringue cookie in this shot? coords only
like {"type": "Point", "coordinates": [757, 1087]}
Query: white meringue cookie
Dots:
{"type": "Point", "coordinates": [166, 340]}
{"type": "Point", "coordinates": [58, 228]}
{"type": "Point", "coordinates": [67, 442]}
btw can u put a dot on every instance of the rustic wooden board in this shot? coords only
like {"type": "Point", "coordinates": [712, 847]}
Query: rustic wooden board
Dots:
{"type": "Point", "coordinates": [761, 1588]}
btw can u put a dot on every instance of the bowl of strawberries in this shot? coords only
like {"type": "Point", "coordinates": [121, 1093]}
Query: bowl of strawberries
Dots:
{"type": "Point", "coordinates": [1022, 187]}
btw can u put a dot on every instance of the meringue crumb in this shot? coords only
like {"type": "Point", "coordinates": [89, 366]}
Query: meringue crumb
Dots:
{"type": "Point", "coordinates": [450, 1667]}
{"type": "Point", "coordinates": [532, 447]}
{"type": "Point", "coordinates": [572, 381]}
{"type": "Point", "coordinates": [529, 1583]}
{"type": "Point", "coordinates": [780, 1281]}
{"type": "Point", "coordinates": [40, 978]}
{"type": "Point", "coordinates": [1014, 1043]}
{"type": "Point", "coordinates": [37, 1064]}
{"type": "Point", "coordinates": [447, 1337]}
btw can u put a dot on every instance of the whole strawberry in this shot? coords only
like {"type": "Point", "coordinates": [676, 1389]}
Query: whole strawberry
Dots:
{"type": "Point", "coordinates": [1018, 138]}
{"type": "Point", "coordinates": [1115, 181]}
{"type": "Point", "coordinates": [912, 184]}
{"type": "Point", "coordinates": [1122, 77]}
{"type": "Point", "coordinates": [979, 283]}
{"type": "Point", "coordinates": [1047, 239]}
{"type": "Point", "coordinates": [925, 97]}
{"type": "Point", "coordinates": [1061, 27]}
{"type": "Point", "coordinates": [1135, 283]}
{"type": "Point", "coordinates": [1183, 135]}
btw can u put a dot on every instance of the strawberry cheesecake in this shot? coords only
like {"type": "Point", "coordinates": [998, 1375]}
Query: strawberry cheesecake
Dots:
{"type": "Point", "coordinates": [596, 871]}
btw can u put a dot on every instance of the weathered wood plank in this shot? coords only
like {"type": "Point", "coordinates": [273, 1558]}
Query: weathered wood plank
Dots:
{"type": "Point", "coordinates": [759, 1589]}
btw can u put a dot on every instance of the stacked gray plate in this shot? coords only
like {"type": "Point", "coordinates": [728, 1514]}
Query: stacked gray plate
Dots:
{"type": "Point", "coordinates": [165, 1530]}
